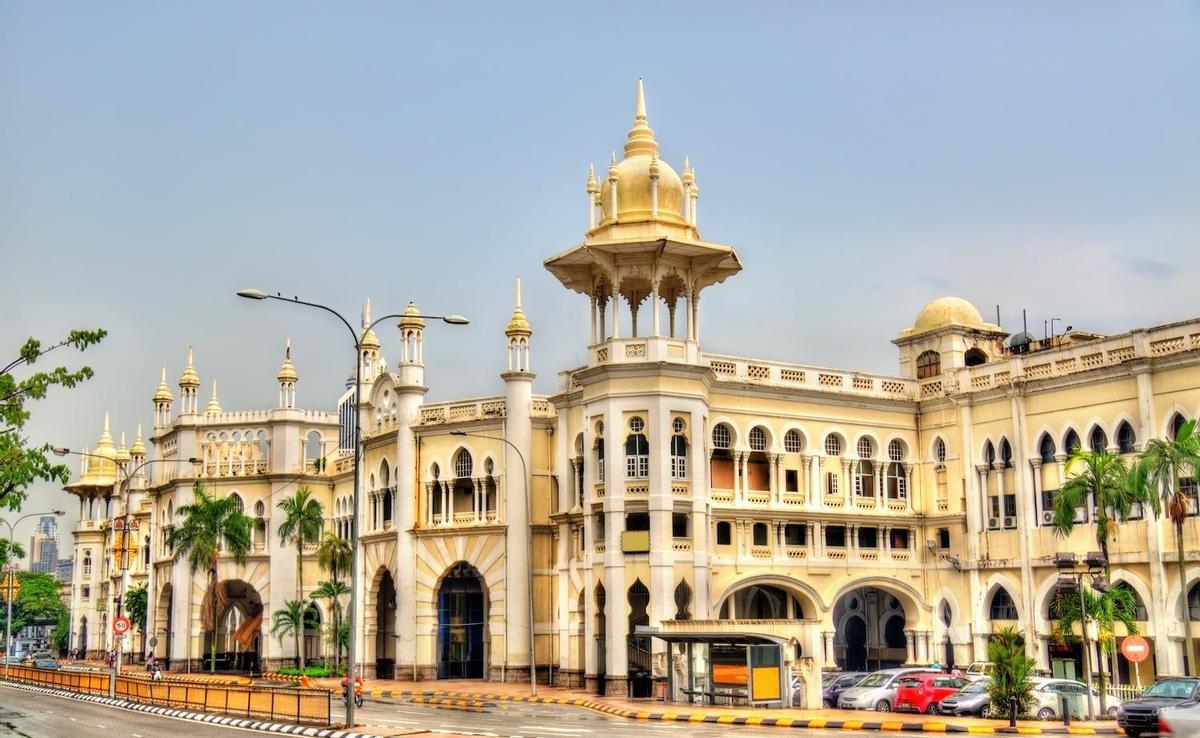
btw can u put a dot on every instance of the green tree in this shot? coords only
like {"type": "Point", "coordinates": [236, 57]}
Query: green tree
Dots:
{"type": "Point", "coordinates": [339, 636]}
{"type": "Point", "coordinates": [303, 517]}
{"type": "Point", "coordinates": [206, 525]}
{"type": "Point", "coordinates": [289, 621]}
{"type": "Point", "coordinates": [334, 555]}
{"type": "Point", "coordinates": [1106, 610]}
{"type": "Point", "coordinates": [1103, 478]}
{"type": "Point", "coordinates": [1012, 676]}
{"type": "Point", "coordinates": [22, 464]}
{"type": "Point", "coordinates": [136, 603]}
{"type": "Point", "coordinates": [1169, 463]}
{"type": "Point", "coordinates": [60, 635]}
{"type": "Point", "coordinates": [36, 603]}
{"type": "Point", "coordinates": [333, 591]}
{"type": "Point", "coordinates": [10, 551]}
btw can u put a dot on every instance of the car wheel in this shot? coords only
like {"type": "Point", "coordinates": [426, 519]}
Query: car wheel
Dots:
{"type": "Point", "coordinates": [932, 709]}
{"type": "Point", "coordinates": [826, 704]}
{"type": "Point", "coordinates": [1045, 714]}
{"type": "Point", "coordinates": [883, 706]}
{"type": "Point", "coordinates": [1132, 732]}
{"type": "Point", "coordinates": [985, 711]}
{"type": "Point", "coordinates": [1112, 713]}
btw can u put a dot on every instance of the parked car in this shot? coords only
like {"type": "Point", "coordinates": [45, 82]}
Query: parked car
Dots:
{"type": "Point", "coordinates": [45, 664]}
{"type": "Point", "coordinates": [1141, 715]}
{"type": "Point", "coordinates": [876, 691]}
{"type": "Point", "coordinates": [923, 692]}
{"type": "Point", "coordinates": [1048, 694]}
{"type": "Point", "coordinates": [972, 699]}
{"type": "Point", "coordinates": [837, 683]}
{"type": "Point", "coordinates": [979, 670]}
{"type": "Point", "coordinates": [1179, 722]}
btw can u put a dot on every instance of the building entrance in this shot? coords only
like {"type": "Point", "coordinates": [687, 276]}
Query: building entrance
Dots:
{"type": "Point", "coordinates": [460, 624]}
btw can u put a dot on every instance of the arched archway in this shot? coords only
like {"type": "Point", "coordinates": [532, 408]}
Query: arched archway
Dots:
{"type": "Point", "coordinates": [164, 609]}
{"type": "Point", "coordinates": [238, 636]}
{"type": "Point", "coordinates": [461, 609]}
{"type": "Point", "coordinates": [312, 633]}
{"type": "Point", "coordinates": [870, 624]}
{"type": "Point", "coordinates": [385, 625]}
{"type": "Point", "coordinates": [854, 636]}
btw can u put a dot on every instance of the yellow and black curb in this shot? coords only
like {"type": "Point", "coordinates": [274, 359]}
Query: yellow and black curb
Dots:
{"type": "Point", "coordinates": [272, 676]}
{"type": "Point", "coordinates": [932, 726]}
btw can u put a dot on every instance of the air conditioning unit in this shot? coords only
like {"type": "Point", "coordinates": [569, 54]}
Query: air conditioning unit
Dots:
{"type": "Point", "coordinates": [1191, 507]}
{"type": "Point", "coordinates": [1047, 517]}
{"type": "Point", "coordinates": [993, 523]}
{"type": "Point", "coordinates": [1010, 521]}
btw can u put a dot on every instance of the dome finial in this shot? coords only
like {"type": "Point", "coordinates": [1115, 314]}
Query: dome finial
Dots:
{"type": "Point", "coordinates": [189, 378]}
{"type": "Point", "coordinates": [518, 324]}
{"type": "Point", "coordinates": [366, 313]}
{"type": "Point", "coordinates": [287, 370]}
{"type": "Point", "coordinates": [163, 393]}
{"type": "Point", "coordinates": [214, 406]}
{"type": "Point", "coordinates": [641, 137]}
{"type": "Point", "coordinates": [106, 421]}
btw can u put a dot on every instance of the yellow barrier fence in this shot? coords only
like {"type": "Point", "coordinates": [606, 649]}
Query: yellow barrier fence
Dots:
{"type": "Point", "coordinates": [304, 706]}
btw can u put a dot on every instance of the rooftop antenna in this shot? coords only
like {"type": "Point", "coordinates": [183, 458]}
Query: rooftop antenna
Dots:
{"type": "Point", "coordinates": [997, 315]}
{"type": "Point", "coordinates": [1024, 320]}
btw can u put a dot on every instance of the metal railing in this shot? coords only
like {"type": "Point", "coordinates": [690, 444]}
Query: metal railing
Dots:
{"type": "Point", "coordinates": [303, 706]}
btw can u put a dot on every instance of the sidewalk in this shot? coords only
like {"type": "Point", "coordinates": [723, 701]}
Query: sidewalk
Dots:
{"type": "Point", "coordinates": [478, 691]}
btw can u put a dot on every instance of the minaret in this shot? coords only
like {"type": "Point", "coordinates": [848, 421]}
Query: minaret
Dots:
{"type": "Point", "coordinates": [593, 196]}
{"type": "Point", "coordinates": [518, 429]}
{"type": "Point", "coordinates": [214, 406]}
{"type": "Point", "coordinates": [287, 379]}
{"type": "Point", "coordinates": [369, 344]}
{"type": "Point", "coordinates": [162, 401]}
{"type": "Point", "coordinates": [410, 392]}
{"type": "Point", "coordinates": [189, 388]}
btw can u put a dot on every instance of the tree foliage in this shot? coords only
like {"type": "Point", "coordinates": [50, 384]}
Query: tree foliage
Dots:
{"type": "Point", "coordinates": [334, 555]}
{"type": "Point", "coordinates": [1103, 478]}
{"type": "Point", "coordinates": [1013, 674]}
{"type": "Point", "coordinates": [136, 601]}
{"type": "Point", "coordinates": [36, 603]}
{"type": "Point", "coordinates": [1106, 610]}
{"type": "Point", "coordinates": [303, 517]}
{"type": "Point", "coordinates": [10, 551]}
{"type": "Point", "coordinates": [22, 464]}
{"type": "Point", "coordinates": [60, 635]}
{"type": "Point", "coordinates": [333, 591]}
{"type": "Point", "coordinates": [289, 621]}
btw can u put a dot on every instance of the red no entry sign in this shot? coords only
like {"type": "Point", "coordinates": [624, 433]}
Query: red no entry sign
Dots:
{"type": "Point", "coordinates": [1135, 648]}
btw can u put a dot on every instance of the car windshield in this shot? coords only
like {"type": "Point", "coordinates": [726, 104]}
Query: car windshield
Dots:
{"type": "Point", "coordinates": [910, 682]}
{"type": "Point", "coordinates": [878, 679]}
{"type": "Point", "coordinates": [1176, 688]}
{"type": "Point", "coordinates": [827, 679]}
{"type": "Point", "coordinates": [976, 688]}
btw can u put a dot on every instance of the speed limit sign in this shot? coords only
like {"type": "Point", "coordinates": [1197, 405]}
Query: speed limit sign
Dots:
{"type": "Point", "coordinates": [121, 625]}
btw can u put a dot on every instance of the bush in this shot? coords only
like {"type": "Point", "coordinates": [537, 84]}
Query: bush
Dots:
{"type": "Point", "coordinates": [309, 671]}
{"type": "Point", "coordinates": [1013, 674]}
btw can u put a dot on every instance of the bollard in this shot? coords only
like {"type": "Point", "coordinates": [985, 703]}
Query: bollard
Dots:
{"type": "Point", "coordinates": [1065, 705]}
{"type": "Point", "coordinates": [1012, 712]}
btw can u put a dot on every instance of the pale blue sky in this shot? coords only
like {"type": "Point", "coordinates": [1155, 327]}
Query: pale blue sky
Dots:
{"type": "Point", "coordinates": [863, 158]}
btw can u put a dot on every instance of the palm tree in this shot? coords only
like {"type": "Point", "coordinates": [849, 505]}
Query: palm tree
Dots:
{"type": "Point", "coordinates": [1103, 477]}
{"type": "Point", "coordinates": [1105, 609]}
{"type": "Point", "coordinates": [1168, 463]}
{"type": "Point", "coordinates": [334, 591]}
{"type": "Point", "coordinates": [206, 525]}
{"type": "Point", "coordinates": [1012, 677]}
{"type": "Point", "coordinates": [334, 554]}
{"type": "Point", "coordinates": [289, 620]}
{"type": "Point", "coordinates": [302, 521]}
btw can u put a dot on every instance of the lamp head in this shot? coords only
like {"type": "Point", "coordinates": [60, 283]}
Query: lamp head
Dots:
{"type": "Point", "coordinates": [458, 433]}
{"type": "Point", "coordinates": [253, 294]}
{"type": "Point", "coordinates": [60, 450]}
{"type": "Point", "coordinates": [455, 320]}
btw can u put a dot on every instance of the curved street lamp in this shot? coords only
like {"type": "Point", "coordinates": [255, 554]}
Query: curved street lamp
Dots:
{"type": "Point", "coordinates": [356, 337]}
{"type": "Point", "coordinates": [11, 571]}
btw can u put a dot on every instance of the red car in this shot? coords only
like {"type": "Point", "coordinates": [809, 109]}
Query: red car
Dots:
{"type": "Point", "coordinates": [923, 692]}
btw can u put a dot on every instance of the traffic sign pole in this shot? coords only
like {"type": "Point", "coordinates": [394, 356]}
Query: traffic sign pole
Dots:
{"type": "Point", "coordinates": [9, 570]}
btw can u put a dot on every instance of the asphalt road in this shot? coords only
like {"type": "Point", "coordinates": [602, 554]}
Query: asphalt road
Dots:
{"type": "Point", "coordinates": [531, 720]}
{"type": "Point", "coordinates": [33, 715]}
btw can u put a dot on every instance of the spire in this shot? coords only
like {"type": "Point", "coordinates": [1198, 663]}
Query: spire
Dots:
{"type": "Point", "coordinates": [518, 325]}
{"type": "Point", "coordinates": [214, 406]}
{"type": "Point", "coordinates": [122, 451]}
{"type": "Point", "coordinates": [369, 340]}
{"type": "Point", "coordinates": [163, 393]}
{"type": "Point", "coordinates": [592, 185]}
{"type": "Point", "coordinates": [138, 448]}
{"type": "Point", "coordinates": [189, 378]}
{"type": "Point", "coordinates": [366, 313]}
{"type": "Point", "coordinates": [641, 137]}
{"type": "Point", "coordinates": [287, 370]}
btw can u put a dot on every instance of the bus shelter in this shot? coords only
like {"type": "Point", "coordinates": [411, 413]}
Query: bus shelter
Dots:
{"type": "Point", "coordinates": [717, 668]}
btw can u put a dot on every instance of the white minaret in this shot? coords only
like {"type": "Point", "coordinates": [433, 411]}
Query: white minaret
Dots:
{"type": "Point", "coordinates": [189, 388]}
{"type": "Point", "coordinates": [162, 402]}
{"type": "Point", "coordinates": [410, 392]}
{"type": "Point", "coordinates": [287, 379]}
{"type": "Point", "coordinates": [518, 429]}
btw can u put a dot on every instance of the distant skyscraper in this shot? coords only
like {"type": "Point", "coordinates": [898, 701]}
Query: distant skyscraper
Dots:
{"type": "Point", "coordinates": [64, 569]}
{"type": "Point", "coordinates": [43, 547]}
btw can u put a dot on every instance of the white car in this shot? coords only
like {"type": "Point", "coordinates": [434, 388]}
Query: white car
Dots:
{"type": "Point", "coordinates": [1048, 694]}
{"type": "Point", "coordinates": [876, 691]}
{"type": "Point", "coordinates": [1183, 722]}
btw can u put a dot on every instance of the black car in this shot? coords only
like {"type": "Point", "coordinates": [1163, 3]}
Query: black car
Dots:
{"type": "Point", "coordinates": [1141, 715]}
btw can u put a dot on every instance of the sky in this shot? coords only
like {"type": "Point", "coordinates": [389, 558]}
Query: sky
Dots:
{"type": "Point", "coordinates": [863, 158]}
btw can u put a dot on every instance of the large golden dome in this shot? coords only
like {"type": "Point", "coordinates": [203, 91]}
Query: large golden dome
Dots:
{"type": "Point", "coordinates": [946, 311]}
{"type": "Point", "coordinates": [634, 201]}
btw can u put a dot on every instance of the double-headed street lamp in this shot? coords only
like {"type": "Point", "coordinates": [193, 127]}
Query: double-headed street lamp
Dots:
{"type": "Point", "coordinates": [10, 576]}
{"type": "Point", "coordinates": [529, 540]}
{"type": "Point", "coordinates": [123, 546]}
{"type": "Point", "coordinates": [1069, 578]}
{"type": "Point", "coordinates": [356, 336]}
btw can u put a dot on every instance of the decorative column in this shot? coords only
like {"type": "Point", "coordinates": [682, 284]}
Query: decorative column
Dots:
{"type": "Point", "coordinates": [910, 637]}
{"type": "Point", "coordinates": [908, 493]}
{"type": "Point", "coordinates": [880, 470]}
{"type": "Point", "coordinates": [923, 647]}
{"type": "Point", "coordinates": [655, 323]}
{"type": "Point", "coordinates": [592, 318]}
{"type": "Point", "coordinates": [773, 477]}
{"type": "Point", "coordinates": [830, 661]}
{"type": "Point", "coordinates": [1036, 463]}
{"type": "Point", "coordinates": [480, 500]}
{"type": "Point", "coordinates": [616, 315]}
{"type": "Point", "coordinates": [805, 478]}
{"type": "Point", "coordinates": [982, 470]}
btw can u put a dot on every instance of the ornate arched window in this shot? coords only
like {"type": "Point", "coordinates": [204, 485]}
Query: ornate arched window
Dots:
{"type": "Point", "coordinates": [1126, 439]}
{"type": "Point", "coordinates": [1098, 439]}
{"type": "Point", "coordinates": [464, 465]}
{"type": "Point", "coordinates": [792, 442]}
{"type": "Point", "coordinates": [833, 445]}
{"type": "Point", "coordinates": [929, 364]}
{"type": "Point", "coordinates": [599, 447]}
{"type": "Point", "coordinates": [1071, 442]}
{"type": "Point", "coordinates": [1002, 607]}
{"type": "Point", "coordinates": [1139, 608]}
{"type": "Point", "coordinates": [758, 439]}
{"type": "Point", "coordinates": [238, 504]}
{"type": "Point", "coordinates": [721, 438]}
{"type": "Point", "coordinates": [679, 452]}
{"type": "Point", "coordinates": [939, 450]}
{"type": "Point", "coordinates": [1005, 453]}
{"type": "Point", "coordinates": [637, 451]}
{"type": "Point", "coordinates": [1046, 449]}
{"type": "Point", "coordinates": [974, 357]}
{"type": "Point", "coordinates": [683, 601]}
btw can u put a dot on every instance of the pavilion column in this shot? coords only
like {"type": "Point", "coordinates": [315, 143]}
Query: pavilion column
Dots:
{"type": "Point", "coordinates": [601, 319]}
{"type": "Point", "coordinates": [923, 647]}
{"type": "Point", "coordinates": [830, 661]}
{"type": "Point", "coordinates": [655, 326]}
{"type": "Point", "coordinates": [910, 637]}
{"type": "Point", "coordinates": [671, 304]}
{"type": "Point", "coordinates": [477, 499]}
{"type": "Point", "coordinates": [616, 315]}
{"type": "Point", "coordinates": [592, 317]}
{"type": "Point", "coordinates": [908, 494]}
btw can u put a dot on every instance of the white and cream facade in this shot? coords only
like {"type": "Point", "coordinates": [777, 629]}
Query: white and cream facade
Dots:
{"type": "Point", "coordinates": [865, 519]}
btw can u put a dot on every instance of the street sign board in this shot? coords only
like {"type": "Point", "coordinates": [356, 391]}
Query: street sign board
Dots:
{"type": "Point", "coordinates": [153, 641]}
{"type": "Point", "coordinates": [1135, 648]}
{"type": "Point", "coordinates": [121, 625]}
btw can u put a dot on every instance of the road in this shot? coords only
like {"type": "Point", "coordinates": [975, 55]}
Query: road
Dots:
{"type": "Point", "coordinates": [33, 715]}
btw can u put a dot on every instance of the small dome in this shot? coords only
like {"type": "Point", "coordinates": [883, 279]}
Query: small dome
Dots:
{"type": "Point", "coordinates": [1024, 338]}
{"type": "Point", "coordinates": [189, 378]}
{"type": "Point", "coordinates": [122, 454]}
{"type": "Point", "coordinates": [369, 339]}
{"type": "Point", "coordinates": [412, 318]}
{"type": "Point", "coordinates": [946, 311]}
{"type": "Point", "coordinates": [138, 448]}
{"type": "Point", "coordinates": [214, 405]}
{"type": "Point", "coordinates": [518, 324]}
{"type": "Point", "coordinates": [163, 393]}
{"type": "Point", "coordinates": [287, 370]}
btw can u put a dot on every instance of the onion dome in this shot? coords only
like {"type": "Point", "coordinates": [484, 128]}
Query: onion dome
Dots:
{"type": "Point", "coordinates": [287, 370]}
{"type": "Point", "coordinates": [368, 341]}
{"type": "Point", "coordinates": [189, 378]}
{"type": "Point", "coordinates": [947, 311]}
{"type": "Point", "coordinates": [411, 318]}
{"type": "Point", "coordinates": [518, 325]}
{"type": "Point", "coordinates": [138, 448]}
{"type": "Point", "coordinates": [633, 177]}
{"type": "Point", "coordinates": [122, 454]}
{"type": "Point", "coordinates": [213, 406]}
{"type": "Point", "coordinates": [100, 467]}
{"type": "Point", "coordinates": [163, 393]}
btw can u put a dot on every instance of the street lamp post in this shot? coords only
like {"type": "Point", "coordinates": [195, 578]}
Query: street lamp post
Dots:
{"type": "Point", "coordinates": [352, 651]}
{"type": "Point", "coordinates": [11, 574]}
{"type": "Point", "coordinates": [1072, 577]}
{"type": "Point", "coordinates": [529, 540]}
{"type": "Point", "coordinates": [123, 541]}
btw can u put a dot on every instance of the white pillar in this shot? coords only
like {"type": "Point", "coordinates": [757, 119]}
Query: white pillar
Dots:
{"type": "Point", "coordinates": [518, 430]}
